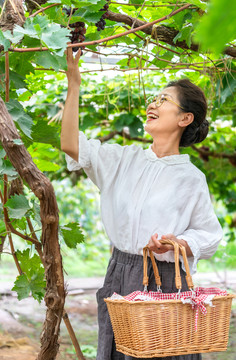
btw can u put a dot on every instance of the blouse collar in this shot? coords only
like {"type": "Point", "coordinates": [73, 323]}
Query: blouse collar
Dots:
{"type": "Point", "coordinates": [169, 160]}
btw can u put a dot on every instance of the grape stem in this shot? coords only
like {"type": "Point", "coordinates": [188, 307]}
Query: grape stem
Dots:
{"type": "Point", "coordinates": [110, 37]}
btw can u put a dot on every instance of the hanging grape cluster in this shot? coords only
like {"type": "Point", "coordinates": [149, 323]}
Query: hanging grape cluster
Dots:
{"type": "Point", "coordinates": [78, 32]}
{"type": "Point", "coordinates": [101, 23]}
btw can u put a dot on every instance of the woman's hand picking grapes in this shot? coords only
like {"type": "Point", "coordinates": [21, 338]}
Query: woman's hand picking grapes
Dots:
{"type": "Point", "coordinates": [73, 73]}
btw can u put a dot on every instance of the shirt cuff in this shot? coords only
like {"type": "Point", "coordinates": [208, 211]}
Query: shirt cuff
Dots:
{"type": "Point", "coordinates": [84, 155]}
{"type": "Point", "coordinates": [193, 260]}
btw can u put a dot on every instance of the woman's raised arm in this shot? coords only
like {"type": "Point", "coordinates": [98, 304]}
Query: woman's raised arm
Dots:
{"type": "Point", "coordinates": [70, 117]}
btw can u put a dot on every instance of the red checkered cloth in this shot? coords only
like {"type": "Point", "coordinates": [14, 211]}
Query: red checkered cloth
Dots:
{"type": "Point", "coordinates": [196, 298]}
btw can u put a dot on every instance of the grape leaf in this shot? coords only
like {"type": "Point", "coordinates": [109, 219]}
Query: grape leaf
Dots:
{"type": "Point", "coordinates": [184, 34]}
{"type": "Point", "coordinates": [21, 287]}
{"type": "Point", "coordinates": [94, 7]}
{"type": "Point", "coordinates": [20, 224]}
{"type": "Point", "coordinates": [7, 168]}
{"type": "Point", "coordinates": [86, 15]}
{"type": "Point", "coordinates": [28, 264]}
{"type": "Point", "coordinates": [46, 134]}
{"type": "Point", "coordinates": [32, 280]}
{"type": "Point", "coordinates": [18, 114]}
{"type": "Point", "coordinates": [132, 121]}
{"type": "Point", "coordinates": [51, 34]}
{"type": "Point", "coordinates": [226, 87]}
{"type": "Point", "coordinates": [17, 206]}
{"type": "Point", "coordinates": [2, 153]}
{"type": "Point", "coordinates": [56, 38]}
{"type": "Point", "coordinates": [136, 128]}
{"type": "Point", "coordinates": [57, 15]}
{"type": "Point", "coordinates": [17, 141]}
{"type": "Point", "coordinates": [14, 38]}
{"type": "Point", "coordinates": [209, 34]}
{"type": "Point", "coordinates": [17, 80]}
{"type": "Point", "coordinates": [24, 286]}
{"type": "Point", "coordinates": [28, 29]}
{"type": "Point", "coordinates": [33, 27]}
{"type": "Point", "coordinates": [45, 165]}
{"type": "Point", "coordinates": [3, 41]}
{"type": "Point", "coordinates": [47, 60]}
{"type": "Point", "coordinates": [72, 234]}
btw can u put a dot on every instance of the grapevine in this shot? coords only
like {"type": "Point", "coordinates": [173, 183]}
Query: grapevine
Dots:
{"type": "Point", "coordinates": [101, 23]}
{"type": "Point", "coordinates": [78, 32]}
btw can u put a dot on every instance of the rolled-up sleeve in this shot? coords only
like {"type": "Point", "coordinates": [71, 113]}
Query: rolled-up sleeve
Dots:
{"type": "Point", "coordinates": [99, 161]}
{"type": "Point", "coordinates": [204, 231]}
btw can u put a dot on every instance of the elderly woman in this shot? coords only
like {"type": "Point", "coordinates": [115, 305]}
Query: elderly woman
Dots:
{"type": "Point", "coordinates": [146, 195]}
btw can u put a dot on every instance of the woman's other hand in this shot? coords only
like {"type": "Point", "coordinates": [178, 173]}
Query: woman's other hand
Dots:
{"type": "Point", "coordinates": [159, 248]}
{"type": "Point", "coordinates": [73, 73]}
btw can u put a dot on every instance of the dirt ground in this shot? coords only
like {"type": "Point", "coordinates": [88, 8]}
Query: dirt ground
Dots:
{"type": "Point", "coordinates": [21, 324]}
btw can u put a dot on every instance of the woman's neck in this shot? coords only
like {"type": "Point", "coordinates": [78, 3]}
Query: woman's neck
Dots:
{"type": "Point", "coordinates": [165, 148]}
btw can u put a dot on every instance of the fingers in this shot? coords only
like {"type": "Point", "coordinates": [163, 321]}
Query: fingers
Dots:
{"type": "Point", "coordinates": [70, 58]}
{"type": "Point", "coordinates": [155, 245]}
{"type": "Point", "coordinates": [154, 237]}
{"type": "Point", "coordinates": [77, 56]}
{"type": "Point", "coordinates": [169, 237]}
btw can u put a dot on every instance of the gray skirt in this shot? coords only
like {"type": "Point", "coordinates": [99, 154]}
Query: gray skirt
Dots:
{"type": "Point", "coordinates": [125, 275]}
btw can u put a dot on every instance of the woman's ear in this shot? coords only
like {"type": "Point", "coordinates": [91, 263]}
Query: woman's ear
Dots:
{"type": "Point", "coordinates": [186, 119]}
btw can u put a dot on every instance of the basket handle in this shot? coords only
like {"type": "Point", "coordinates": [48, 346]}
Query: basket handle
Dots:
{"type": "Point", "coordinates": [178, 282]}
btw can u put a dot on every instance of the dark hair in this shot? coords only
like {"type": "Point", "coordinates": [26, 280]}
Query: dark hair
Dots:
{"type": "Point", "coordinates": [192, 99]}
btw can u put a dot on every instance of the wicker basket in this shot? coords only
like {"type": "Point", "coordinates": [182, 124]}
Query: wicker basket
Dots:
{"type": "Point", "coordinates": [147, 329]}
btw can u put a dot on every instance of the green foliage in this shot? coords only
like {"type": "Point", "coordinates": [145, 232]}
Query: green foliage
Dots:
{"type": "Point", "coordinates": [218, 27]}
{"type": "Point", "coordinates": [72, 235]}
{"type": "Point", "coordinates": [133, 122]}
{"type": "Point", "coordinates": [4, 41]}
{"type": "Point", "coordinates": [88, 11]}
{"type": "Point", "coordinates": [32, 280]}
{"type": "Point", "coordinates": [17, 206]}
{"type": "Point", "coordinates": [41, 28]}
{"type": "Point", "coordinates": [89, 351]}
{"type": "Point", "coordinates": [7, 169]}
{"type": "Point", "coordinates": [44, 133]}
{"type": "Point", "coordinates": [50, 61]}
{"type": "Point", "coordinates": [184, 34]}
{"type": "Point", "coordinates": [18, 114]}
{"type": "Point", "coordinates": [225, 88]}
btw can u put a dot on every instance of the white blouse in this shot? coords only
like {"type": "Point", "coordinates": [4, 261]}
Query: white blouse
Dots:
{"type": "Point", "coordinates": [142, 194]}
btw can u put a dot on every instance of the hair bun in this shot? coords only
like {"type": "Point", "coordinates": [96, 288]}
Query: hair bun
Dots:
{"type": "Point", "coordinates": [204, 124]}
{"type": "Point", "coordinates": [202, 131]}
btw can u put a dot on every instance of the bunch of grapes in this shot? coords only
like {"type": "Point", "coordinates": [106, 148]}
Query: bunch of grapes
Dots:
{"type": "Point", "coordinates": [101, 23]}
{"type": "Point", "coordinates": [78, 32]}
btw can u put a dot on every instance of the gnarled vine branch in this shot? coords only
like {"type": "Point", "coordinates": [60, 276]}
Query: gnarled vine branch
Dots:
{"type": "Point", "coordinates": [42, 188]}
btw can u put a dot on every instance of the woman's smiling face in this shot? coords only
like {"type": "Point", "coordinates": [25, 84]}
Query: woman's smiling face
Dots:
{"type": "Point", "coordinates": [164, 117]}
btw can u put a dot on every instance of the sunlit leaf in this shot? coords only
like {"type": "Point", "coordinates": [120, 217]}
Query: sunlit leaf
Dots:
{"type": "Point", "coordinates": [217, 27]}
{"type": "Point", "coordinates": [18, 114]}
{"type": "Point", "coordinates": [72, 234]}
{"type": "Point", "coordinates": [4, 41]}
{"type": "Point", "coordinates": [17, 206]}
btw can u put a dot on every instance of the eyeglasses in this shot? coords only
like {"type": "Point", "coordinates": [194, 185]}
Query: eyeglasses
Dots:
{"type": "Point", "coordinates": [159, 100]}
